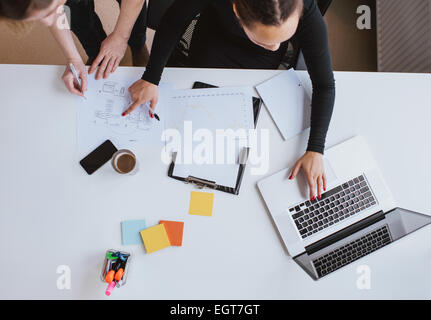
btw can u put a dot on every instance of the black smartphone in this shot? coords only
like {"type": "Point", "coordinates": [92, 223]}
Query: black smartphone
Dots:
{"type": "Point", "coordinates": [98, 157]}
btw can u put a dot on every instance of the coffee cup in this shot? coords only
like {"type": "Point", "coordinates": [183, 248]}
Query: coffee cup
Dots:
{"type": "Point", "coordinates": [125, 162]}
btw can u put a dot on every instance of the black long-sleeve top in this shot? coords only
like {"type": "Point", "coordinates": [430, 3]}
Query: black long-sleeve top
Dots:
{"type": "Point", "coordinates": [311, 36]}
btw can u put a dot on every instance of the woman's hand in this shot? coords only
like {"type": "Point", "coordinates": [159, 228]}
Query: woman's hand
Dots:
{"type": "Point", "coordinates": [69, 79]}
{"type": "Point", "coordinates": [141, 92]}
{"type": "Point", "coordinates": [111, 53]}
{"type": "Point", "coordinates": [312, 164]}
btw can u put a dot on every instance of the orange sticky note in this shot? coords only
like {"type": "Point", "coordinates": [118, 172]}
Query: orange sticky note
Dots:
{"type": "Point", "coordinates": [174, 229]}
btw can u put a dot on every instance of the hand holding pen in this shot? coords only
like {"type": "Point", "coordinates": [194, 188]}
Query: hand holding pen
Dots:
{"type": "Point", "coordinates": [142, 92]}
{"type": "Point", "coordinates": [75, 78]}
{"type": "Point", "coordinates": [151, 112]}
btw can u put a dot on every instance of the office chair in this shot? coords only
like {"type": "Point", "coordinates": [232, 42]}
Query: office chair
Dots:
{"type": "Point", "coordinates": [179, 58]}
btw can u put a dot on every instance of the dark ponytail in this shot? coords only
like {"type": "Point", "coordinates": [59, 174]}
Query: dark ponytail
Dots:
{"type": "Point", "coordinates": [19, 9]}
{"type": "Point", "coordinates": [267, 12]}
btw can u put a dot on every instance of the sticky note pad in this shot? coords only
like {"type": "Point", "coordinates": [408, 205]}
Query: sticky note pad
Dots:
{"type": "Point", "coordinates": [155, 238]}
{"type": "Point", "coordinates": [201, 203]}
{"type": "Point", "coordinates": [130, 231]}
{"type": "Point", "coordinates": [174, 229]}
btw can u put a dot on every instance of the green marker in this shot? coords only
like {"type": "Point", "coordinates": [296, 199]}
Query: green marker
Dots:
{"type": "Point", "coordinates": [111, 256]}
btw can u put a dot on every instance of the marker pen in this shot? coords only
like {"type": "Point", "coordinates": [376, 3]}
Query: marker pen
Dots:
{"type": "Point", "coordinates": [110, 288]}
{"type": "Point", "coordinates": [76, 76]}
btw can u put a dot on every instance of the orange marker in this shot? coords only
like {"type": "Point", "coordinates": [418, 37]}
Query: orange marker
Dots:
{"type": "Point", "coordinates": [119, 274]}
{"type": "Point", "coordinates": [110, 276]}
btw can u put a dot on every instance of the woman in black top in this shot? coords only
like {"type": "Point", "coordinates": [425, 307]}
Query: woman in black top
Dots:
{"type": "Point", "coordinates": [251, 34]}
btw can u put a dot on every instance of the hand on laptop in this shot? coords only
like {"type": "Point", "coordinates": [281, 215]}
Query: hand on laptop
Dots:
{"type": "Point", "coordinates": [312, 164]}
{"type": "Point", "coordinates": [141, 92]}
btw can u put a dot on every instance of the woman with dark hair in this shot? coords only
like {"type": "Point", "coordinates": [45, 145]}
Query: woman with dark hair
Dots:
{"type": "Point", "coordinates": [251, 34]}
{"type": "Point", "coordinates": [104, 52]}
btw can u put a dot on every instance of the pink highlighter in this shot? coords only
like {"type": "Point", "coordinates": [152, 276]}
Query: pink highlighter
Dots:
{"type": "Point", "coordinates": [110, 288]}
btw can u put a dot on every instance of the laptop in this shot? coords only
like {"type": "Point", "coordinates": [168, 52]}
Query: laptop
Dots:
{"type": "Point", "coordinates": [356, 216]}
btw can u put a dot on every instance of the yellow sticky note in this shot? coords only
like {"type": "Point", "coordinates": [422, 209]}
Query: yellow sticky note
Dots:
{"type": "Point", "coordinates": [201, 203]}
{"type": "Point", "coordinates": [155, 238]}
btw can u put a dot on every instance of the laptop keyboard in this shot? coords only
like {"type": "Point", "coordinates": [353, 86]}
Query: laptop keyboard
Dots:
{"type": "Point", "coordinates": [335, 205]}
{"type": "Point", "coordinates": [352, 251]}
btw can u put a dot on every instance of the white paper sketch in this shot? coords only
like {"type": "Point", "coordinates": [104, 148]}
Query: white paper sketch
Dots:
{"type": "Point", "coordinates": [99, 117]}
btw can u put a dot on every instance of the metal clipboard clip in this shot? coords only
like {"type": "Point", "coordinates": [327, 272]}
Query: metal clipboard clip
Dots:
{"type": "Point", "coordinates": [203, 183]}
{"type": "Point", "coordinates": [200, 183]}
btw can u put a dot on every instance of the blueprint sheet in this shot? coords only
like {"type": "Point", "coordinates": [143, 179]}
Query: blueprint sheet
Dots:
{"type": "Point", "coordinates": [99, 116]}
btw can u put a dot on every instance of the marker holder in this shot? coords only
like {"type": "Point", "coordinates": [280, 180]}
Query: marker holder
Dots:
{"type": "Point", "coordinates": [109, 263]}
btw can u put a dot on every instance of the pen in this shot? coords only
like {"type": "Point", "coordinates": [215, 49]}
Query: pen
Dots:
{"type": "Point", "coordinates": [151, 111]}
{"type": "Point", "coordinates": [75, 74]}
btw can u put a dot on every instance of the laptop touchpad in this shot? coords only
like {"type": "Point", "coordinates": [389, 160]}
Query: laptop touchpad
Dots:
{"type": "Point", "coordinates": [331, 177]}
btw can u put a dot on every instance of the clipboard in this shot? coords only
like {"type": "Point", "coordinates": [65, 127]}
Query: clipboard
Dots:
{"type": "Point", "coordinates": [203, 183]}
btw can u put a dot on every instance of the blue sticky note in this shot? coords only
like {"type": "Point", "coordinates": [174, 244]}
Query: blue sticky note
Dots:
{"type": "Point", "coordinates": [130, 231]}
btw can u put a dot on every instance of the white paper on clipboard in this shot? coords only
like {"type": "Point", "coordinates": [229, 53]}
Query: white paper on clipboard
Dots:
{"type": "Point", "coordinates": [212, 110]}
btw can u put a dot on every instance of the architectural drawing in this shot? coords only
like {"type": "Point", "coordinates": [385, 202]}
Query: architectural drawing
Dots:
{"type": "Point", "coordinates": [113, 88]}
{"type": "Point", "coordinates": [114, 101]}
{"type": "Point", "coordinates": [99, 117]}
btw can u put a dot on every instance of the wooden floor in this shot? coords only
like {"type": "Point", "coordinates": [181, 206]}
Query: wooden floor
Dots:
{"type": "Point", "coordinates": [351, 49]}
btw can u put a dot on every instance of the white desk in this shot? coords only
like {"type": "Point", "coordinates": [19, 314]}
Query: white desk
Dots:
{"type": "Point", "coordinates": [52, 213]}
